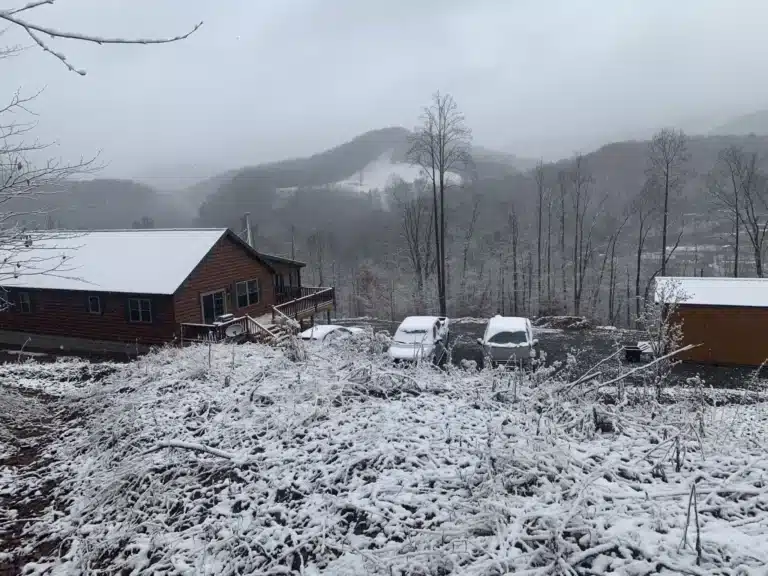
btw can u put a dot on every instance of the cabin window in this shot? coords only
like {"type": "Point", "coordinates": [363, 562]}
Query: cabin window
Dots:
{"type": "Point", "coordinates": [94, 304]}
{"type": "Point", "coordinates": [140, 310]}
{"type": "Point", "coordinates": [248, 293]}
{"type": "Point", "coordinates": [25, 303]}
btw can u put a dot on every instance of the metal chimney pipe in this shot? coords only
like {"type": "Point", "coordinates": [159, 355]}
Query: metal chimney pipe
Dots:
{"type": "Point", "coordinates": [248, 231]}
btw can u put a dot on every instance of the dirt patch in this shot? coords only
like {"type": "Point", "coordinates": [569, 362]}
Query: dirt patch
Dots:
{"type": "Point", "coordinates": [29, 422]}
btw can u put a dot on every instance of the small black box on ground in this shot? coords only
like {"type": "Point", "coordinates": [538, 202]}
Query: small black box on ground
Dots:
{"type": "Point", "coordinates": [632, 353]}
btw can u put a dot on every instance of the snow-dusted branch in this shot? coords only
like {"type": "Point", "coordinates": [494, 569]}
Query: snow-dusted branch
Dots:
{"type": "Point", "coordinates": [36, 32]}
{"type": "Point", "coordinates": [362, 469]}
{"type": "Point", "coordinates": [191, 446]}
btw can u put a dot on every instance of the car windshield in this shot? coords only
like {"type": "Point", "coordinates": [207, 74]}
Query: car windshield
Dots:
{"type": "Point", "coordinates": [518, 337]}
{"type": "Point", "coordinates": [411, 336]}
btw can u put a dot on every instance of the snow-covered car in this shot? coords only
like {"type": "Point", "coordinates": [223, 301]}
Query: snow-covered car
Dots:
{"type": "Point", "coordinates": [509, 340]}
{"type": "Point", "coordinates": [326, 333]}
{"type": "Point", "coordinates": [420, 338]}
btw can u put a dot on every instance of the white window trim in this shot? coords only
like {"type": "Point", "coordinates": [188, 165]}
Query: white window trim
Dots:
{"type": "Point", "coordinates": [212, 292]}
{"type": "Point", "coordinates": [98, 301]}
{"type": "Point", "coordinates": [247, 293]}
{"type": "Point", "coordinates": [140, 321]}
{"type": "Point", "coordinates": [22, 302]}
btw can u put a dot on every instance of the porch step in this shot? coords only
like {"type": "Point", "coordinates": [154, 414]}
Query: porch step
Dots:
{"type": "Point", "coordinates": [282, 334]}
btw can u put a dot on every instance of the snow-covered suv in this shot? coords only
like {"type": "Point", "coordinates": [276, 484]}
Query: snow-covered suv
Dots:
{"type": "Point", "coordinates": [420, 338]}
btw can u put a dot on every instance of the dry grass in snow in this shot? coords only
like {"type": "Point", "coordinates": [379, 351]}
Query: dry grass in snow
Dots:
{"type": "Point", "coordinates": [342, 464]}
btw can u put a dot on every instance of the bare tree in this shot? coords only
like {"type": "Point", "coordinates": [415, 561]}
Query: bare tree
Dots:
{"type": "Point", "coordinates": [417, 225]}
{"type": "Point", "coordinates": [319, 244]}
{"type": "Point", "coordinates": [539, 177]}
{"type": "Point", "coordinates": [468, 234]}
{"type": "Point", "coordinates": [441, 148]}
{"type": "Point", "coordinates": [514, 231]}
{"type": "Point", "coordinates": [562, 182]}
{"type": "Point", "coordinates": [667, 155]}
{"type": "Point", "coordinates": [643, 208]}
{"type": "Point", "coordinates": [754, 209]}
{"type": "Point", "coordinates": [731, 174]}
{"type": "Point", "coordinates": [581, 197]}
{"type": "Point", "coordinates": [739, 186]}
{"type": "Point", "coordinates": [612, 311]}
{"type": "Point", "coordinates": [549, 250]}
{"type": "Point", "coordinates": [609, 254]}
{"type": "Point", "coordinates": [629, 302]}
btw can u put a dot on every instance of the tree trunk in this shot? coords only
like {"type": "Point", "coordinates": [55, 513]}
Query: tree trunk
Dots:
{"type": "Point", "coordinates": [514, 272]}
{"type": "Point", "coordinates": [562, 248]}
{"type": "Point", "coordinates": [437, 236]}
{"type": "Point", "coordinates": [664, 225]}
{"type": "Point", "coordinates": [629, 302]}
{"type": "Point", "coordinates": [637, 272]}
{"type": "Point", "coordinates": [443, 298]}
{"type": "Point", "coordinates": [549, 254]}
{"type": "Point", "coordinates": [538, 244]}
{"type": "Point", "coordinates": [736, 245]}
{"type": "Point", "coordinates": [576, 269]}
{"type": "Point", "coordinates": [612, 286]}
{"type": "Point", "coordinates": [530, 285]}
{"type": "Point", "coordinates": [758, 261]}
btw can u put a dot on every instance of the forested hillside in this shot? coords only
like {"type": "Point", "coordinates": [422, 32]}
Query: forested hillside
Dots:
{"type": "Point", "coordinates": [373, 241]}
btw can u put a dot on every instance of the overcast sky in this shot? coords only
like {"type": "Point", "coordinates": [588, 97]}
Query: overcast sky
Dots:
{"type": "Point", "coordinates": [268, 79]}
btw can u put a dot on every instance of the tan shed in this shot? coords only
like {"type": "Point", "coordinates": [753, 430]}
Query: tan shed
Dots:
{"type": "Point", "coordinates": [726, 317]}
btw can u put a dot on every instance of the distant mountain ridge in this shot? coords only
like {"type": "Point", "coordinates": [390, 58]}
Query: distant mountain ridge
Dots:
{"type": "Point", "coordinates": [753, 123]}
{"type": "Point", "coordinates": [362, 164]}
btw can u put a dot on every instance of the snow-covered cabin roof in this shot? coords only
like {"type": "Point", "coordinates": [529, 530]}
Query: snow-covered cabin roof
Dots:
{"type": "Point", "coordinates": [499, 324]}
{"type": "Point", "coordinates": [751, 292]}
{"type": "Point", "coordinates": [127, 261]}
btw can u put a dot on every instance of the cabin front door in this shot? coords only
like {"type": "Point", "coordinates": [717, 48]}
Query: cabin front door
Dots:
{"type": "Point", "coordinates": [213, 305]}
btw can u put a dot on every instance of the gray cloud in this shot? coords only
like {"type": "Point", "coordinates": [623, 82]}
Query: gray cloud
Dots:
{"type": "Point", "coordinates": [263, 80]}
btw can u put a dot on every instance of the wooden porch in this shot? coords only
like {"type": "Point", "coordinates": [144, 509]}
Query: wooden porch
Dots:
{"type": "Point", "coordinates": [297, 303]}
{"type": "Point", "coordinates": [242, 328]}
{"type": "Point", "coordinates": [311, 300]}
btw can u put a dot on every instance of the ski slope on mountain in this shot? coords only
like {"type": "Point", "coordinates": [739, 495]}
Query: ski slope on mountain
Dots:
{"type": "Point", "coordinates": [383, 172]}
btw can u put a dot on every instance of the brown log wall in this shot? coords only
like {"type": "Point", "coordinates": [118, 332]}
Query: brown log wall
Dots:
{"type": "Point", "coordinates": [226, 264]}
{"type": "Point", "coordinates": [729, 335]}
{"type": "Point", "coordinates": [65, 313]}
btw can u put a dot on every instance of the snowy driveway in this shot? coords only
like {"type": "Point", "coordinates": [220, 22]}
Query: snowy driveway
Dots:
{"type": "Point", "coordinates": [588, 346]}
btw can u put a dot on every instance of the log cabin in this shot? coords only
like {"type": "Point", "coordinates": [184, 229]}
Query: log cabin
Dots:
{"type": "Point", "coordinates": [123, 291]}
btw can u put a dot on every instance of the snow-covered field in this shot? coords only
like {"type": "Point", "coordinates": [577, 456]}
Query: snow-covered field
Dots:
{"type": "Point", "coordinates": [247, 460]}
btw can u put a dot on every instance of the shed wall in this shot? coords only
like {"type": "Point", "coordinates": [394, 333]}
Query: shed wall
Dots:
{"type": "Point", "coordinates": [727, 334]}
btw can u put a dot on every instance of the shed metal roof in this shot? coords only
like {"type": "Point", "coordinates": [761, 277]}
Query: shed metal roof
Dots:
{"type": "Point", "coordinates": [749, 292]}
{"type": "Point", "coordinates": [126, 261]}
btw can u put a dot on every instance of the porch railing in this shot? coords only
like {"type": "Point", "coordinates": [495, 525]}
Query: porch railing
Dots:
{"type": "Point", "coordinates": [192, 332]}
{"type": "Point", "coordinates": [317, 299]}
{"type": "Point", "coordinates": [288, 293]}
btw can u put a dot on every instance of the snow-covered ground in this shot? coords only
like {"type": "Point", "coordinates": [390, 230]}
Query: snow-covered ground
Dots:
{"type": "Point", "coordinates": [250, 460]}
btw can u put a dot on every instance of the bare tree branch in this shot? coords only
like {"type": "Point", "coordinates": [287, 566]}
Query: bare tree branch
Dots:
{"type": "Point", "coordinates": [35, 31]}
